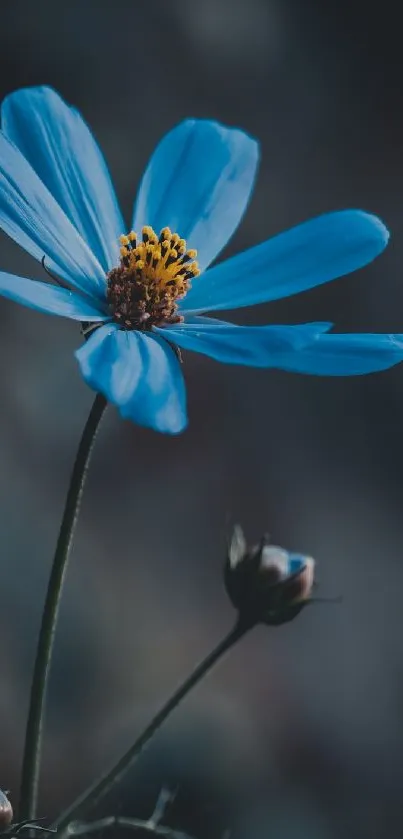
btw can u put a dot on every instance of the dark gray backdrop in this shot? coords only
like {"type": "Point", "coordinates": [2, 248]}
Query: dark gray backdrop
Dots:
{"type": "Point", "coordinates": [314, 708]}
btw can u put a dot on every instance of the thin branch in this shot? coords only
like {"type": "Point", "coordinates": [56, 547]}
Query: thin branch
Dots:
{"type": "Point", "coordinates": [165, 797]}
{"type": "Point", "coordinates": [105, 783]}
{"type": "Point", "coordinates": [81, 829]}
{"type": "Point", "coordinates": [152, 825]}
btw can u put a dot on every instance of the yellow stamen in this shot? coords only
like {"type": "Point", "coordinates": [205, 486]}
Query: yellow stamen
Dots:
{"type": "Point", "coordinates": [154, 274]}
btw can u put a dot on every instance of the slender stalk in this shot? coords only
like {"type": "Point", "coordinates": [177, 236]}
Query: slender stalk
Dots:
{"type": "Point", "coordinates": [79, 829]}
{"type": "Point", "coordinates": [103, 785]}
{"type": "Point", "coordinates": [153, 825]}
{"type": "Point", "coordinates": [37, 702]}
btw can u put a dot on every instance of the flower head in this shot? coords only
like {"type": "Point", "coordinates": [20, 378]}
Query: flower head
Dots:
{"type": "Point", "coordinates": [143, 294]}
{"type": "Point", "coordinates": [265, 583]}
{"type": "Point", "coordinates": [6, 811]}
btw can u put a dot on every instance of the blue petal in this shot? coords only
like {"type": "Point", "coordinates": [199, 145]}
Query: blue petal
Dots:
{"type": "Point", "coordinates": [346, 355]}
{"type": "Point", "coordinates": [202, 320]}
{"type": "Point", "coordinates": [58, 144]}
{"type": "Point", "coordinates": [305, 256]}
{"type": "Point", "coordinates": [48, 298]}
{"type": "Point", "coordinates": [255, 346]}
{"type": "Point", "coordinates": [139, 373]}
{"type": "Point", "coordinates": [31, 216]}
{"type": "Point", "coordinates": [296, 563]}
{"type": "Point", "coordinates": [198, 183]}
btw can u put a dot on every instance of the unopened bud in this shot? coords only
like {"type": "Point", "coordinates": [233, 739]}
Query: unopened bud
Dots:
{"type": "Point", "coordinates": [265, 583]}
{"type": "Point", "coordinates": [6, 811]}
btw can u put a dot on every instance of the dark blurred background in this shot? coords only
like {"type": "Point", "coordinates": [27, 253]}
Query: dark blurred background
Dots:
{"type": "Point", "coordinates": [302, 725]}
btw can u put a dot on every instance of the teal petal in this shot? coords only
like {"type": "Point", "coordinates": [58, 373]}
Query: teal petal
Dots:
{"type": "Point", "coordinates": [254, 346]}
{"type": "Point", "coordinates": [346, 355]}
{"type": "Point", "coordinates": [59, 146]}
{"type": "Point", "coordinates": [31, 216]}
{"type": "Point", "coordinates": [198, 182]}
{"type": "Point", "coordinates": [139, 373]}
{"type": "Point", "coordinates": [296, 562]}
{"type": "Point", "coordinates": [304, 257]}
{"type": "Point", "coordinates": [48, 298]}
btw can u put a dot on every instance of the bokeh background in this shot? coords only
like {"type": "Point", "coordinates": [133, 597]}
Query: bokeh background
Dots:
{"type": "Point", "coordinates": [299, 733]}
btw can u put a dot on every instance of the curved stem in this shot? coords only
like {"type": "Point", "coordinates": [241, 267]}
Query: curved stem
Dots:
{"type": "Point", "coordinates": [93, 794]}
{"type": "Point", "coordinates": [33, 735]}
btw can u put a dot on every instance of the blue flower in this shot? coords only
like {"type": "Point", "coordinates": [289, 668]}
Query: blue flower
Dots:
{"type": "Point", "coordinates": [134, 292]}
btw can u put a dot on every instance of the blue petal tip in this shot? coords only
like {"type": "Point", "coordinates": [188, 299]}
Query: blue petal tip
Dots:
{"type": "Point", "coordinates": [378, 229]}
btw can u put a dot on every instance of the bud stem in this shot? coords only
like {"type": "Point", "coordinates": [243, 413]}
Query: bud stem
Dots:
{"type": "Point", "coordinates": [103, 785]}
{"type": "Point", "coordinates": [34, 729]}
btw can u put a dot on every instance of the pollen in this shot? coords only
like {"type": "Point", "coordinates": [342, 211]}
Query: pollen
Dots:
{"type": "Point", "coordinates": [154, 274]}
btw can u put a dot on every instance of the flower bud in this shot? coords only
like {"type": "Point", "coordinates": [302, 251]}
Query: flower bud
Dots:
{"type": "Point", "coordinates": [6, 811]}
{"type": "Point", "coordinates": [265, 583]}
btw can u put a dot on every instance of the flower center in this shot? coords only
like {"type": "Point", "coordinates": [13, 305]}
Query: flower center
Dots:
{"type": "Point", "coordinates": [153, 275]}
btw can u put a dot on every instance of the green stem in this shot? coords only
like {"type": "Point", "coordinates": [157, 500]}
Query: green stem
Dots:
{"type": "Point", "coordinates": [33, 735]}
{"type": "Point", "coordinates": [103, 785]}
